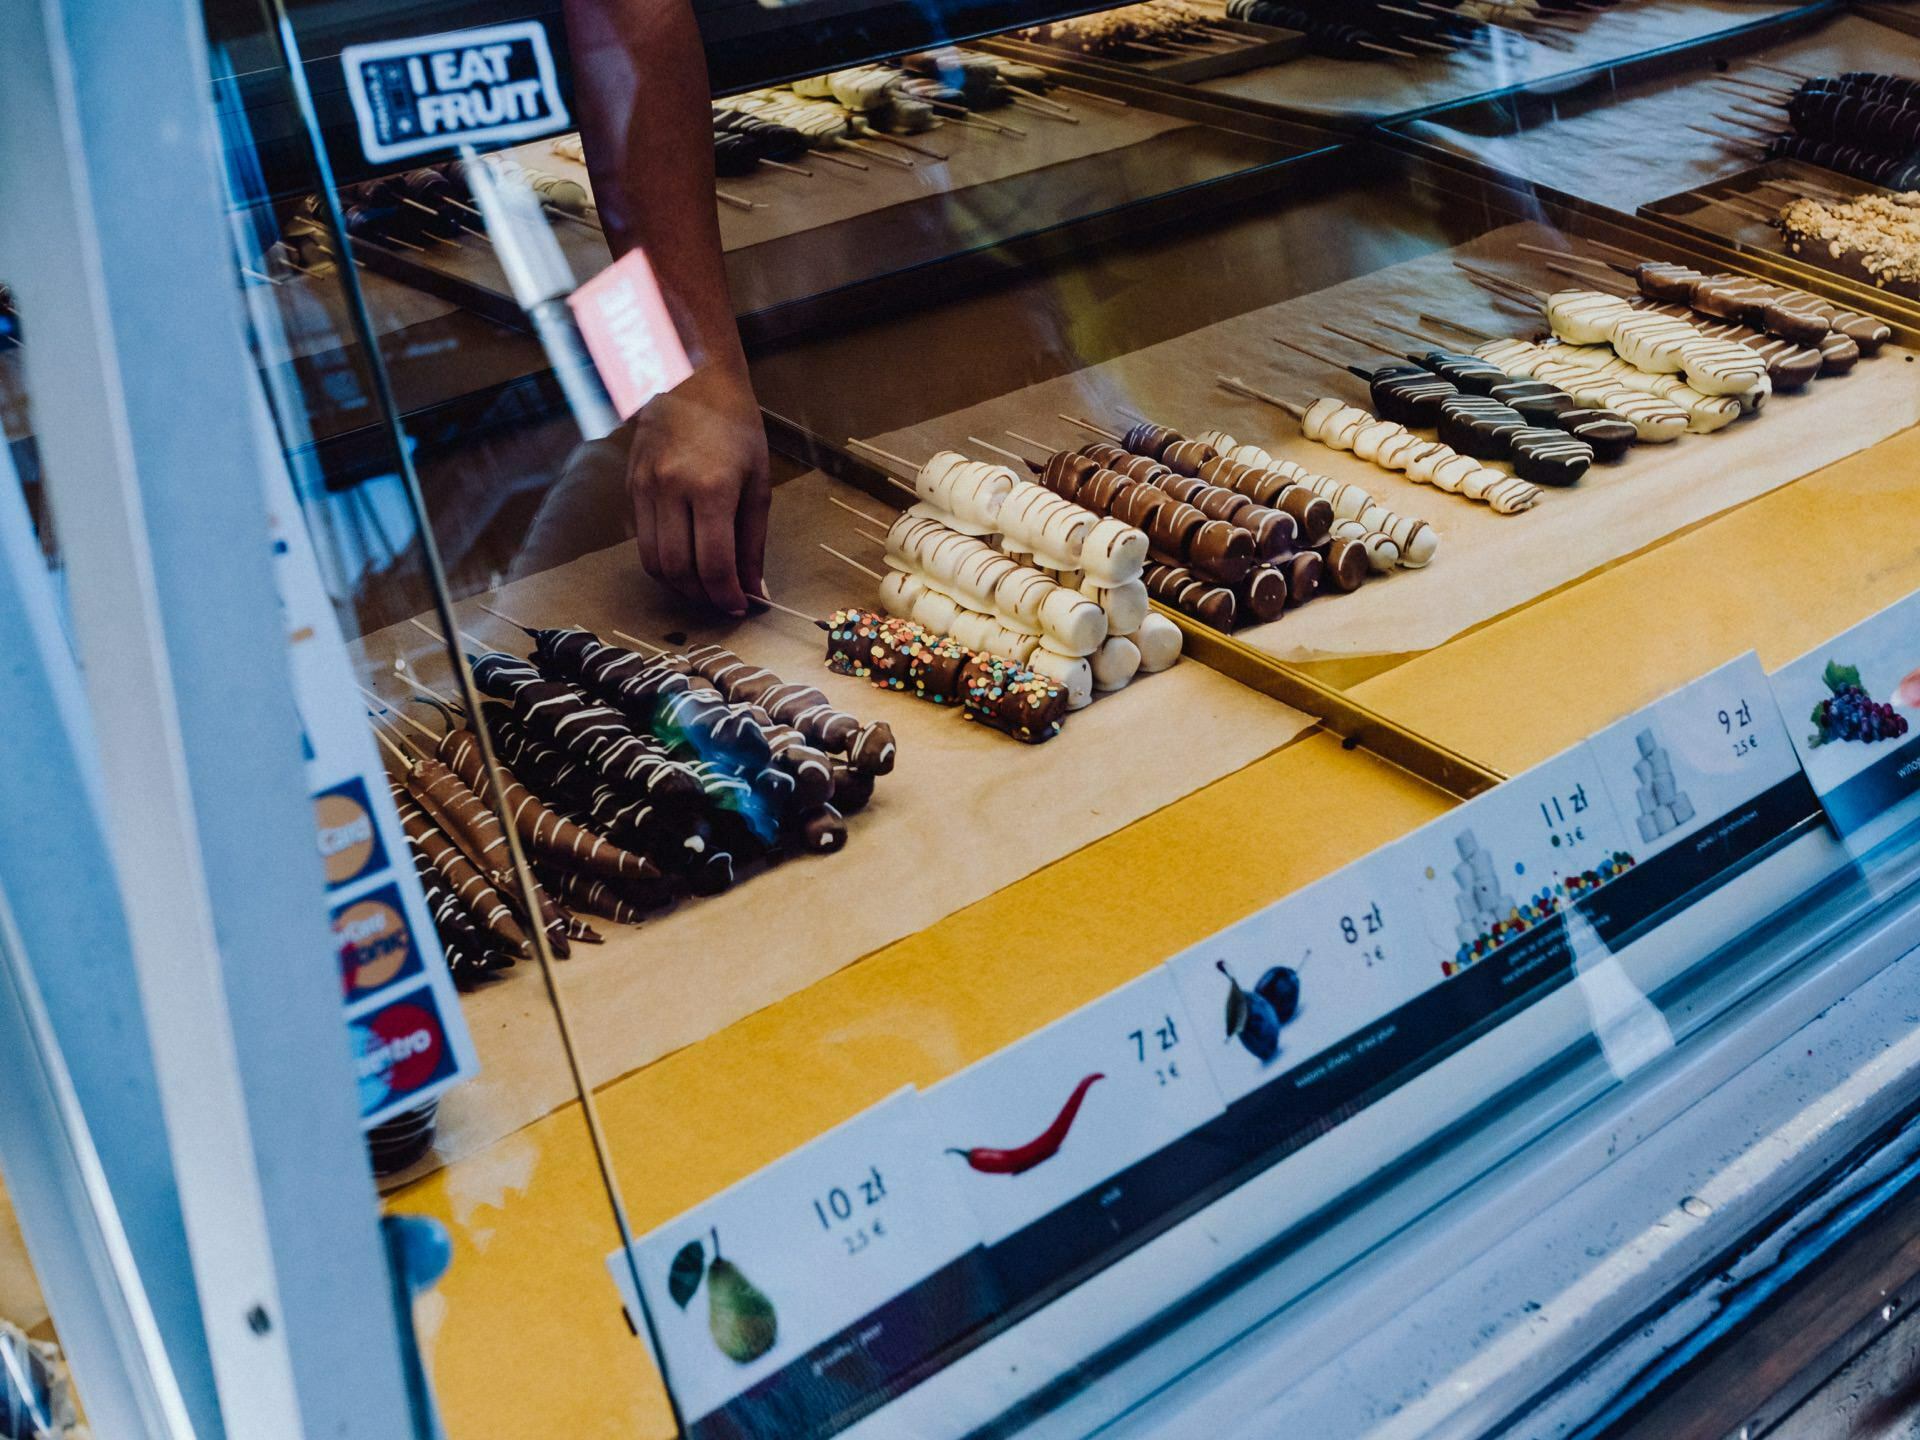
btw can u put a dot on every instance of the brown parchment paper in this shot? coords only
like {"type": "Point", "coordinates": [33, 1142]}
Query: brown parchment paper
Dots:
{"type": "Point", "coordinates": [1487, 563]}
{"type": "Point", "coordinates": [965, 812]}
{"type": "Point", "coordinates": [1631, 145]}
{"type": "Point", "coordinates": [1392, 87]}
{"type": "Point", "coordinates": [793, 203]}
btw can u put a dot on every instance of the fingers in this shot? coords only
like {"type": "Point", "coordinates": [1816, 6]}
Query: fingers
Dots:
{"type": "Point", "coordinates": [673, 529]}
{"type": "Point", "coordinates": [750, 549]}
{"type": "Point", "coordinates": [713, 544]}
{"type": "Point", "coordinates": [640, 495]}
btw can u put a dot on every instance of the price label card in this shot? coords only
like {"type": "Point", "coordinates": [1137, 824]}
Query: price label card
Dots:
{"type": "Point", "coordinates": [1853, 709]}
{"type": "Point", "coordinates": [765, 1271]}
{"type": "Point", "coordinates": [1511, 860]}
{"type": "Point", "coordinates": [1043, 1121]}
{"type": "Point", "coordinates": [1688, 760]}
{"type": "Point", "coordinates": [1298, 977]}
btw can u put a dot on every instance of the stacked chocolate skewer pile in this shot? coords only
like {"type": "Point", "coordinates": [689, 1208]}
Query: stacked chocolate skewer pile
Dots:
{"type": "Point", "coordinates": [632, 779]}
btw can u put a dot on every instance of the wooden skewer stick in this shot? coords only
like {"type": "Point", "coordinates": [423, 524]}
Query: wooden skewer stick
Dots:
{"type": "Point", "coordinates": [887, 455]}
{"type": "Point", "coordinates": [856, 510]}
{"type": "Point", "coordinates": [637, 642]}
{"type": "Point", "coordinates": [1512, 287]}
{"type": "Point", "coordinates": [866, 149]}
{"type": "Point", "coordinates": [1092, 428]}
{"type": "Point", "coordinates": [1019, 460]}
{"type": "Point", "coordinates": [925, 150]}
{"type": "Point", "coordinates": [425, 209]}
{"type": "Point", "coordinates": [1758, 117]}
{"type": "Point", "coordinates": [738, 202]}
{"type": "Point", "coordinates": [970, 123]}
{"type": "Point", "coordinates": [851, 164]}
{"type": "Point", "coordinates": [1404, 330]}
{"type": "Point", "coordinates": [790, 169]}
{"type": "Point", "coordinates": [1386, 50]}
{"type": "Point", "coordinates": [1602, 245]}
{"type": "Point", "coordinates": [1371, 344]}
{"type": "Point", "coordinates": [1608, 286]}
{"type": "Point", "coordinates": [870, 537]}
{"type": "Point", "coordinates": [1039, 445]}
{"type": "Point", "coordinates": [1745, 141]}
{"type": "Point", "coordinates": [853, 562]}
{"type": "Point", "coordinates": [406, 765]}
{"type": "Point", "coordinates": [1020, 93]}
{"type": "Point", "coordinates": [1561, 254]}
{"type": "Point", "coordinates": [1735, 206]}
{"type": "Point", "coordinates": [1504, 297]}
{"type": "Point", "coordinates": [395, 714]}
{"type": "Point", "coordinates": [1241, 387]}
{"type": "Point", "coordinates": [519, 625]}
{"type": "Point", "coordinates": [1112, 100]}
{"type": "Point", "coordinates": [407, 673]}
{"type": "Point", "coordinates": [1766, 126]}
{"type": "Point", "coordinates": [789, 610]}
{"type": "Point", "coordinates": [1431, 45]}
{"type": "Point", "coordinates": [1456, 327]}
{"type": "Point", "coordinates": [404, 245]}
{"type": "Point", "coordinates": [1033, 105]}
{"type": "Point", "coordinates": [1746, 88]}
{"type": "Point", "coordinates": [1328, 360]}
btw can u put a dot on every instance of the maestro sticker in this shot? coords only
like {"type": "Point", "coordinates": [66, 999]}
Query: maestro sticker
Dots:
{"type": "Point", "coordinates": [399, 1051]}
{"type": "Point", "coordinates": [490, 86]}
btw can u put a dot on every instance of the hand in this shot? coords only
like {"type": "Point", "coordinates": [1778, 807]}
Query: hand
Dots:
{"type": "Point", "coordinates": [697, 479]}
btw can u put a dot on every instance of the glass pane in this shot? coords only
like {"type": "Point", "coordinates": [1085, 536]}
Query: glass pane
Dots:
{"type": "Point", "coordinates": [916, 1049]}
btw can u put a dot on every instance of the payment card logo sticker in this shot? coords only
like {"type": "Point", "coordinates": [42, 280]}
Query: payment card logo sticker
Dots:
{"type": "Point", "coordinates": [376, 945]}
{"type": "Point", "coordinates": [400, 1051]}
{"type": "Point", "coordinates": [349, 841]}
{"type": "Point", "coordinates": [473, 87]}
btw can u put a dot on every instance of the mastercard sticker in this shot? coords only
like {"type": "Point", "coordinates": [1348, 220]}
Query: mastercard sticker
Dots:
{"type": "Point", "coordinates": [400, 1052]}
{"type": "Point", "coordinates": [349, 839]}
{"type": "Point", "coordinates": [375, 943]}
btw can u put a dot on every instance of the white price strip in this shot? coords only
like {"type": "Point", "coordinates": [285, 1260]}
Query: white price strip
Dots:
{"type": "Point", "coordinates": [1043, 1121]}
{"type": "Point", "coordinates": [1508, 861]}
{"type": "Point", "coordinates": [1678, 767]}
{"type": "Point", "coordinates": [1853, 709]}
{"type": "Point", "coordinates": [1300, 976]}
{"type": "Point", "coordinates": [759, 1275]}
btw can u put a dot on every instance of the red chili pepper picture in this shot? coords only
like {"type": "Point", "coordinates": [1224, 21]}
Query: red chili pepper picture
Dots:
{"type": "Point", "coordinates": [1044, 1146]}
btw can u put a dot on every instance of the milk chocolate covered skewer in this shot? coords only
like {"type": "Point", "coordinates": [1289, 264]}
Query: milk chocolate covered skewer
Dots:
{"type": "Point", "coordinates": [868, 747]}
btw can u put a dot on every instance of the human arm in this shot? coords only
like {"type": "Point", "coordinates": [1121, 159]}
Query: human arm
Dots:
{"type": "Point", "coordinates": [697, 472]}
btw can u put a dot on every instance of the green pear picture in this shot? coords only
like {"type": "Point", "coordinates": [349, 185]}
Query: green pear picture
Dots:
{"type": "Point", "coordinates": [741, 1318]}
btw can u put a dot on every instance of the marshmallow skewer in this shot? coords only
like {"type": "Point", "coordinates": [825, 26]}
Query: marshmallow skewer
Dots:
{"type": "Point", "coordinates": [1475, 423]}
{"type": "Point", "coordinates": [1565, 364]}
{"type": "Point", "coordinates": [1656, 344]}
{"type": "Point", "coordinates": [1788, 367]}
{"type": "Point", "coordinates": [1346, 551]}
{"type": "Point", "coordinates": [1391, 446]}
{"type": "Point", "coordinates": [1413, 539]}
{"type": "Point", "coordinates": [1540, 402]}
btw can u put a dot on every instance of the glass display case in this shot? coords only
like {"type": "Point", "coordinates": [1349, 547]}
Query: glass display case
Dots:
{"type": "Point", "coordinates": [1334, 675]}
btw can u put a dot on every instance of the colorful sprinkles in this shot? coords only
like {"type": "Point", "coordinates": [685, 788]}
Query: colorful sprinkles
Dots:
{"type": "Point", "coordinates": [899, 655]}
{"type": "Point", "coordinates": [1542, 906]}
